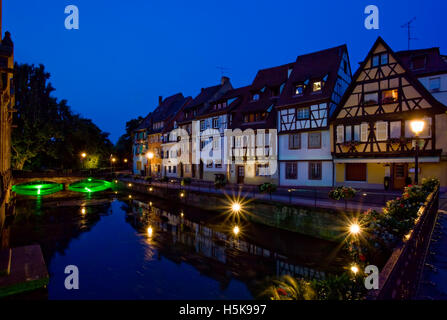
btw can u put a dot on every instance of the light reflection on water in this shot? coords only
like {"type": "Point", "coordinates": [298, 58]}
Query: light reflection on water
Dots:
{"type": "Point", "coordinates": [189, 253]}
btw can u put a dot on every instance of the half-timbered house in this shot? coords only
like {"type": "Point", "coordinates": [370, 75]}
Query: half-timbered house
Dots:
{"type": "Point", "coordinates": [373, 142]}
{"type": "Point", "coordinates": [312, 93]}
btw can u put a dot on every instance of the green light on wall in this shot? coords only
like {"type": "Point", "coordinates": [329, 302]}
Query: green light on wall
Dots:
{"type": "Point", "coordinates": [37, 188]}
{"type": "Point", "coordinates": [90, 185]}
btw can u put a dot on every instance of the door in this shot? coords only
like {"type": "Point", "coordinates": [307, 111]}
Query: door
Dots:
{"type": "Point", "coordinates": [355, 172]}
{"type": "Point", "coordinates": [400, 174]}
{"type": "Point", "coordinates": [181, 170]}
{"type": "Point", "coordinates": [240, 174]}
{"type": "Point", "coordinates": [193, 170]}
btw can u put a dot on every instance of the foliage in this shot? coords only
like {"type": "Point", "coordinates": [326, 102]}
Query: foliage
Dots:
{"type": "Point", "coordinates": [335, 287]}
{"type": "Point", "coordinates": [342, 192]}
{"type": "Point", "coordinates": [267, 187]}
{"type": "Point", "coordinates": [164, 179]}
{"type": "Point", "coordinates": [148, 179]}
{"type": "Point", "coordinates": [186, 181]}
{"type": "Point", "coordinates": [381, 231]}
{"type": "Point", "coordinates": [220, 181]}
{"type": "Point", "coordinates": [124, 145]}
{"type": "Point", "coordinates": [48, 134]}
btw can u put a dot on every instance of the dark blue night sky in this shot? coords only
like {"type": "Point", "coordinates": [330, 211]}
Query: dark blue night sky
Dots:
{"type": "Point", "coordinates": [127, 53]}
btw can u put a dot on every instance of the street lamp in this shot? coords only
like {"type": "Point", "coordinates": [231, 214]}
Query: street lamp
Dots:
{"type": "Point", "coordinates": [83, 155]}
{"type": "Point", "coordinates": [417, 126]}
{"type": "Point", "coordinates": [150, 156]}
{"type": "Point", "coordinates": [113, 160]}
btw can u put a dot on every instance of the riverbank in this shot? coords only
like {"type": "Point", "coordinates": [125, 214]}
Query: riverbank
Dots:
{"type": "Point", "coordinates": [326, 222]}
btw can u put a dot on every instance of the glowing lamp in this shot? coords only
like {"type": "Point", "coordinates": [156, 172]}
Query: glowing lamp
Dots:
{"type": "Point", "coordinates": [236, 230]}
{"type": "Point", "coordinates": [150, 155]}
{"type": "Point", "coordinates": [236, 207]}
{"type": "Point", "coordinates": [150, 231]}
{"type": "Point", "coordinates": [354, 269]}
{"type": "Point", "coordinates": [83, 155]}
{"type": "Point", "coordinates": [354, 228]}
{"type": "Point", "coordinates": [417, 126]}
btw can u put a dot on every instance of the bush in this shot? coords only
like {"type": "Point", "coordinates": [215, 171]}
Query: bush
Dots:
{"type": "Point", "coordinates": [186, 181]}
{"type": "Point", "coordinates": [342, 193]}
{"type": "Point", "coordinates": [148, 179]}
{"type": "Point", "coordinates": [220, 182]}
{"type": "Point", "coordinates": [267, 187]}
{"type": "Point", "coordinates": [430, 184]}
{"type": "Point", "coordinates": [164, 179]}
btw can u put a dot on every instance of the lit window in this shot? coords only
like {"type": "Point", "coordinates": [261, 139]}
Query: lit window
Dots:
{"type": "Point", "coordinates": [389, 96]}
{"type": "Point", "coordinates": [299, 89]}
{"type": "Point", "coordinates": [317, 85]}
{"type": "Point", "coordinates": [435, 84]}
{"type": "Point", "coordinates": [371, 98]}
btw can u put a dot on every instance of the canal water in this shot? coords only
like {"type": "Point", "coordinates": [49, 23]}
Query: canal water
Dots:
{"type": "Point", "coordinates": [146, 248]}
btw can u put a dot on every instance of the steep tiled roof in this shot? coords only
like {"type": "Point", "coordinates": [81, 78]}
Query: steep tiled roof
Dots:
{"type": "Point", "coordinates": [166, 110]}
{"type": "Point", "coordinates": [434, 61]}
{"type": "Point", "coordinates": [233, 98]}
{"type": "Point", "coordinates": [313, 67]}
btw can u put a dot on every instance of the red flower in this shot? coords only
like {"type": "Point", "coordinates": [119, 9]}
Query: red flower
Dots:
{"type": "Point", "coordinates": [281, 292]}
{"type": "Point", "coordinates": [362, 257]}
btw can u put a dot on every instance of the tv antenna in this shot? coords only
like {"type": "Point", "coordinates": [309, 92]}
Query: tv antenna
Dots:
{"type": "Point", "coordinates": [408, 26]}
{"type": "Point", "coordinates": [222, 70]}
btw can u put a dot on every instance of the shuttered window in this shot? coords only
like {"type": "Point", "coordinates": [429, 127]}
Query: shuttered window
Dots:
{"type": "Point", "coordinates": [356, 133]}
{"type": "Point", "coordinates": [364, 132]}
{"type": "Point", "coordinates": [381, 131]}
{"type": "Point", "coordinates": [395, 129]}
{"type": "Point", "coordinates": [340, 134]}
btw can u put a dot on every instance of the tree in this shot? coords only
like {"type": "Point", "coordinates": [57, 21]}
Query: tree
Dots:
{"type": "Point", "coordinates": [124, 145]}
{"type": "Point", "coordinates": [47, 133]}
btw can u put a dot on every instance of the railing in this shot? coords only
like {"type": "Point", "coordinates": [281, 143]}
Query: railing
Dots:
{"type": "Point", "coordinates": [63, 173]}
{"type": "Point", "coordinates": [400, 277]}
{"type": "Point", "coordinates": [316, 197]}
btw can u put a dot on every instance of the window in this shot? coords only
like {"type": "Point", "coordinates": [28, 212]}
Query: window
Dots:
{"type": "Point", "coordinates": [418, 63]}
{"type": "Point", "coordinates": [348, 133]}
{"type": "Point", "coordinates": [209, 164]}
{"type": "Point", "coordinates": [340, 134]}
{"type": "Point", "coordinates": [426, 133]}
{"type": "Point", "coordinates": [262, 169]}
{"type": "Point", "coordinates": [381, 131]}
{"type": "Point", "coordinates": [291, 170]}
{"type": "Point", "coordinates": [317, 85]}
{"type": "Point", "coordinates": [216, 143]}
{"type": "Point", "coordinates": [364, 127]}
{"type": "Point", "coordinates": [371, 98]}
{"type": "Point", "coordinates": [355, 172]}
{"type": "Point", "coordinates": [434, 84]}
{"type": "Point", "coordinates": [169, 169]}
{"type": "Point", "coordinates": [379, 59]}
{"type": "Point", "coordinates": [395, 129]}
{"type": "Point", "coordinates": [174, 169]}
{"type": "Point", "coordinates": [299, 89]}
{"type": "Point", "coordinates": [202, 125]}
{"type": "Point", "coordinates": [255, 97]}
{"type": "Point", "coordinates": [357, 133]}
{"type": "Point", "coordinates": [314, 170]}
{"type": "Point", "coordinates": [138, 165]}
{"type": "Point", "coordinates": [389, 96]}
{"type": "Point", "coordinates": [218, 164]}
{"type": "Point", "coordinates": [302, 113]}
{"type": "Point", "coordinates": [295, 141]}
{"type": "Point", "coordinates": [215, 123]}
{"type": "Point", "coordinates": [314, 140]}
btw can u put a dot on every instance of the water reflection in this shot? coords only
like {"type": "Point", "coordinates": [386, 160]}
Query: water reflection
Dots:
{"type": "Point", "coordinates": [146, 248]}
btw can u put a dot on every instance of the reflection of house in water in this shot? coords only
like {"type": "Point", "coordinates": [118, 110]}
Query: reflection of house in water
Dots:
{"type": "Point", "coordinates": [217, 253]}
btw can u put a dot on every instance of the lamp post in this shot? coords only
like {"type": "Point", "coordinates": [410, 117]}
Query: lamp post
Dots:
{"type": "Point", "coordinates": [417, 126]}
{"type": "Point", "coordinates": [83, 155]}
{"type": "Point", "coordinates": [149, 156]}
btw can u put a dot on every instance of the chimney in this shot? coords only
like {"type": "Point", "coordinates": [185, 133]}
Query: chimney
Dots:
{"type": "Point", "coordinates": [160, 98]}
{"type": "Point", "coordinates": [224, 80]}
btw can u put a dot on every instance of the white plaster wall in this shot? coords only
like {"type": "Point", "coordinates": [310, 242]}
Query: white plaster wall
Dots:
{"type": "Point", "coordinates": [303, 175]}
{"type": "Point", "coordinates": [324, 153]}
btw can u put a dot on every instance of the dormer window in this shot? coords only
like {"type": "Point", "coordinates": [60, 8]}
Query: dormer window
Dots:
{"type": "Point", "coordinates": [299, 89]}
{"type": "Point", "coordinates": [418, 63]}
{"type": "Point", "coordinates": [317, 86]}
{"type": "Point", "coordinates": [255, 97]}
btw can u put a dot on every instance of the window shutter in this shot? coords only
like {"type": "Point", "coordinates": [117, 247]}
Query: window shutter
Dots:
{"type": "Point", "coordinates": [381, 131]}
{"type": "Point", "coordinates": [340, 134]}
{"type": "Point", "coordinates": [364, 132]}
